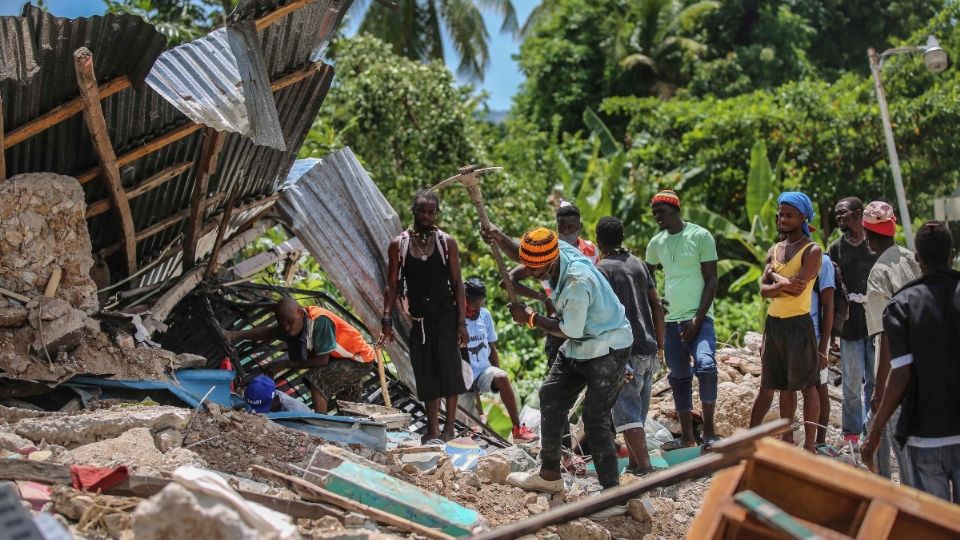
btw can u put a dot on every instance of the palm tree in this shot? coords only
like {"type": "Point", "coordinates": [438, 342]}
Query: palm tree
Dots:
{"type": "Point", "coordinates": [414, 29]}
{"type": "Point", "coordinates": [658, 33]}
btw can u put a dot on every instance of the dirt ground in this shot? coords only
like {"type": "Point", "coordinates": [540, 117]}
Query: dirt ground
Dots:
{"type": "Point", "coordinates": [233, 441]}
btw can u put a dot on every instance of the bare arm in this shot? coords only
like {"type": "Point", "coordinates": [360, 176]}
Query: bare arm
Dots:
{"type": "Point", "coordinates": [390, 289]}
{"type": "Point", "coordinates": [315, 361]}
{"type": "Point", "coordinates": [456, 279]}
{"type": "Point", "coordinates": [258, 333]}
{"type": "Point", "coordinates": [656, 308]}
{"type": "Point", "coordinates": [810, 265]}
{"type": "Point", "coordinates": [769, 287]}
{"type": "Point", "coordinates": [508, 245]}
{"type": "Point", "coordinates": [494, 354]}
{"type": "Point", "coordinates": [517, 275]}
{"type": "Point", "coordinates": [710, 281]}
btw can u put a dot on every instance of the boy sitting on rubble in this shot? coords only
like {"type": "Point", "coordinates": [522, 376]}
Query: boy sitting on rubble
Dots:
{"type": "Point", "coordinates": [262, 397]}
{"type": "Point", "coordinates": [485, 360]}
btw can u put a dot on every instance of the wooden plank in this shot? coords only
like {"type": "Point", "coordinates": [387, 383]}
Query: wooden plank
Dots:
{"type": "Point", "coordinates": [278, 14]}
{"type": "Point", "coordinates": [97, 126]}
{"type": "Point", "coordinates": [879, 521]}
{"type": "Point", "coordinates": [60, 113]}
{"type": "Point", "coordinates": [206, 165]}
{"type": "Point", "coordinates": [221, 231]}
{"type": "Point", "coordinates": [16, 296]}
{"type": "Point", "coordinates": [296, 76]}
{"type": "Point", "coordinates": [152, 182]}
{"type": "Point", "coordinates": [167, 138]}
{"type": "Point", "coordinates": [726, 453]}
{"type": "Point", "coordinates": [821, 472]}
{"type": "Point", "coordinates": [313, 492]}
{"type": "Point", "coordinates": [722, 488]}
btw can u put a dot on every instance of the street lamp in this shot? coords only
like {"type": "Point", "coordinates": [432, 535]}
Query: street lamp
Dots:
{"type": "Point", "coordinates": [935, 58]}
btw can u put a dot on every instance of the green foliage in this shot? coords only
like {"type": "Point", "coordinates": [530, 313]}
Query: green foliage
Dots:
{"type": "Point", "coordinates": [414, 29]}
{"type": "Point", "coordinates": [734, 317]}
{"type": "Point", "coordinates": [179, 20]}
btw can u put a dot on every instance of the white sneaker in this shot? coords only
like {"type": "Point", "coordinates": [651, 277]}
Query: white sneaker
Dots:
{"type": "Point", "coordinates": [613, 511]}
{"type": "Point", "coordinates": [534, 482]}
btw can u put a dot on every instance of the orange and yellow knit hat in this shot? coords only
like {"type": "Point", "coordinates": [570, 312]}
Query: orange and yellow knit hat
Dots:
{"type": "Point", "coordinates": [667, 197]}
{"type": "Point", "coordinates": [539, 247]}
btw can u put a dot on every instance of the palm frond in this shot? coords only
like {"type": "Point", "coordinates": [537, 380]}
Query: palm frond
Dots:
{"type": "Point", "coordinates": [468, 35]}
{"type": "Point", "coordinates": [635, 59]}
{"type": "Point", "coordinates": [506, 10]}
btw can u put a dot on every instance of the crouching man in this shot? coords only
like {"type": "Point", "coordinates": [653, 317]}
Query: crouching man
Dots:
{"type": "Point", "coordinates": [335, 352]}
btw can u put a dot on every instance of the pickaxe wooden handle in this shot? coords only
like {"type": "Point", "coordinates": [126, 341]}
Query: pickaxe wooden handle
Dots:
{"type": "Point", "coordinates": [469, 177]}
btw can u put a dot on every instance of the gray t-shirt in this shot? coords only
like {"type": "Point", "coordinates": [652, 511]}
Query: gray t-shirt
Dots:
{"type": "Point", "coordinates": [631, 281]}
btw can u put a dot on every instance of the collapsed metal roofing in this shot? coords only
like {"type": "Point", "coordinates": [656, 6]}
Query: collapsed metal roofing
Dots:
{"type": "Point", "coordinates": [336, 210]}
{"type": "Point", "coordinates": [157, 144]}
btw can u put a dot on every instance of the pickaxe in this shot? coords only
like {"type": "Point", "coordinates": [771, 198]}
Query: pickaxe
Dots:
{"type": "Point", "coordinates": [469, 177]}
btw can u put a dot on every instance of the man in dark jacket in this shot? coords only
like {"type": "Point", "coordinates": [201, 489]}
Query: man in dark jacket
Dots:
{"type": "Point", "coordinates": [922, 329]}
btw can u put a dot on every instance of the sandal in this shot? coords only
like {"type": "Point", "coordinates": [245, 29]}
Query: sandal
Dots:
{"type": "Point", "coordinates": [675, 444]}
{"type": "Point", "coordinates": [708, 444]}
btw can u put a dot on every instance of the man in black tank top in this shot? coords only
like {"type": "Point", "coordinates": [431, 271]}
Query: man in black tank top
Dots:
{"type": "Point", "coordinates": [424, 271]}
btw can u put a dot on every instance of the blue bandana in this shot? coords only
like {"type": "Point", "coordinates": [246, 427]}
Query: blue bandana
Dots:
{"type": "Point", "coordinates": [801, 202]}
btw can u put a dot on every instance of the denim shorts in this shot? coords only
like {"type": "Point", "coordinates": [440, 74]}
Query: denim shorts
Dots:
{"type": "Point", "coordinates": [630, 410]}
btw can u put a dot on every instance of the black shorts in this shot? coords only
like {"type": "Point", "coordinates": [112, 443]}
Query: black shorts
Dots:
{"type": "Point", "coordinates": [789, 357]}
{"type": "Point", "coordinates": [341, 379]}
{"type": "Point", "coordinates": [435, 356]}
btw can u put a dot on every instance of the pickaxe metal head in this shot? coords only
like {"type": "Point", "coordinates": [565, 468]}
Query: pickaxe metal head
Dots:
{"type": "Point", "coordinates": [469, 176]}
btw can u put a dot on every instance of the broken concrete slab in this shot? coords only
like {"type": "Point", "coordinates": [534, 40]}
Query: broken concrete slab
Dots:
{"type": "Point", "coordinates": [384, 492]}
{"type": "Point", "coordinates": [88, 427]}
{"type": "Point", "coordinates": [197, 517]}
{"type": "Point", "coordinates": [61, 334]}
{"type": "Point", "coordinates": [393, 418]}
{"type": "Point", "coordinates": [43, 227]}
{"type": "Point", "coordinates": [135, 449]}
{"type": "Point", "coordinates": [12, 415]}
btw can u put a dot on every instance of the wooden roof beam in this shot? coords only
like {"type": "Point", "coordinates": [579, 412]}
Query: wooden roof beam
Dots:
{"type": "Point", "coordinates": [221, 231]}
{"type": "Point", "coordinates": [60, 113]}
{"type": "Point", "coordinates": [206, 166]}
{"type": "Point", "coordinates": [162, 177]}
{"type": "Point", "coordinates": [97, 126]}
{"type": "Point", "coordinates": [160, 226]}
{"type": "Point", "coordinates": [278, 14]}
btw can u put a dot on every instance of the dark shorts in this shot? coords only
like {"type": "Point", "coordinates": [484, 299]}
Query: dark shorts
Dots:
{"type": "Point", "coordinates": [789, 357]}
{"type": "Point", "coordinates": [435, 356]}
{"type": "Point", "coordinates": [341, 379]}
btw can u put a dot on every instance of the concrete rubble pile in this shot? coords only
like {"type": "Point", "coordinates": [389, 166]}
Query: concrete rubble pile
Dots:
{"type": "Point", "coordinates": [48, 297]}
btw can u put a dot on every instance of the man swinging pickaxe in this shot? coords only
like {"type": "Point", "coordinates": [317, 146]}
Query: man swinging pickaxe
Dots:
{"type": "Point", "coordinates": [469, 177]}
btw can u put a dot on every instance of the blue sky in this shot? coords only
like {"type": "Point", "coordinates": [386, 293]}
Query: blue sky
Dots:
{"type": "Point", "coordinates": [501, 81]}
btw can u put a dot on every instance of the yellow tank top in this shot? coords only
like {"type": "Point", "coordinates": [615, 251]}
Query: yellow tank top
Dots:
{"type": "Point", "coordinates": [791, 306]}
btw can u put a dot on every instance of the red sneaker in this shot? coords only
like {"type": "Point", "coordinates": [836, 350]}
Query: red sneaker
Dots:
{"type": "Point", "coordinates": [522, 433]}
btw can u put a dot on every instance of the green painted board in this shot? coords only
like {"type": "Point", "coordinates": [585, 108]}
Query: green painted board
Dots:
{"type": "Point", "coordinates": [382, 491]}
{"type": "Point", "coordinates": [681, 455]}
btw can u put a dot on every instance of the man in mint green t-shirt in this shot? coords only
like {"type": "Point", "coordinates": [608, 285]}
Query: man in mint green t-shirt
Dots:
{"type": "Point", "coordinates": [688, 255]}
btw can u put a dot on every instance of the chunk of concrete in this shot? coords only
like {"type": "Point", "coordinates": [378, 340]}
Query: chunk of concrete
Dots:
{"type": "Point", "coordinates": [519, 460]}
{"type": "Point", "coordinates": [11, 442]}
{"type": "Point", "coordinates": [60, 334]}
{"type": "Point", "coordinates": [641, 509]}
{"type": "Point", "coordinates": [195, 517]}
{"type": "Point", "coordinates": [581, 529]}
{"type": "Point", "coordinates": [136, 449]}
{"type": "Point", "coordinates": [13, 316]}
{"type": "Point", "coordinates": [95, 426]}
{"type": "Point", "coordinates": [493, 469]}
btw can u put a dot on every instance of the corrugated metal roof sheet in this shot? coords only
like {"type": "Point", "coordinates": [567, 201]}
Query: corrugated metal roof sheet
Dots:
{"type": "Point", "coordinates": [336, 210]}
{"type": "Point", "coordinates": [221, 81]}
{"type": "Point", "coordinates": [126, 45]}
